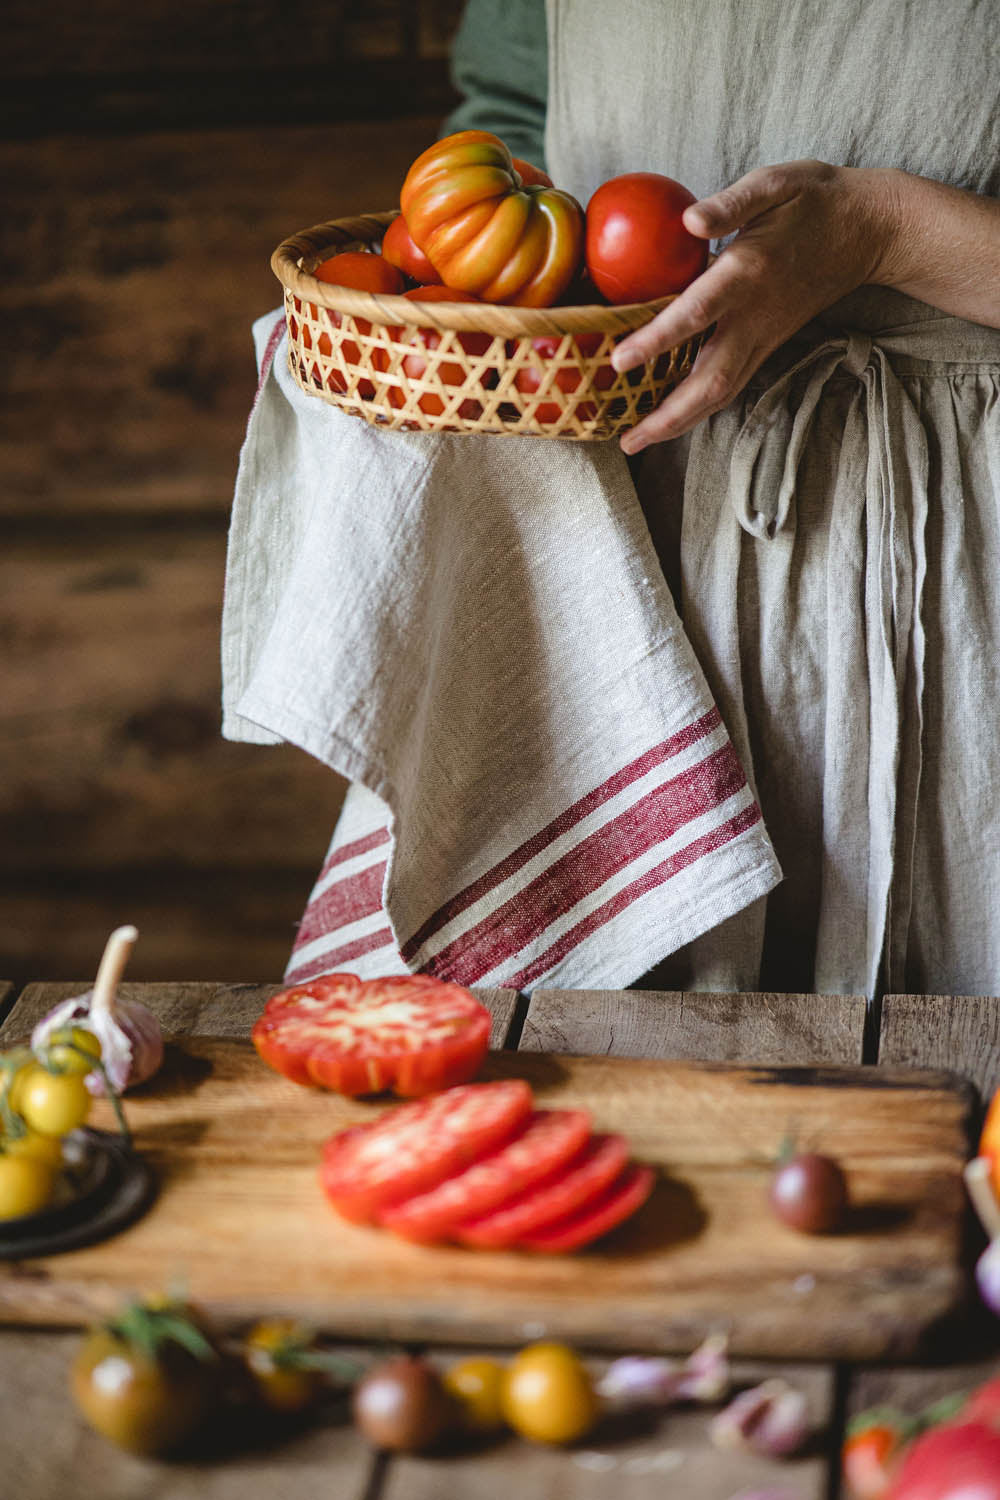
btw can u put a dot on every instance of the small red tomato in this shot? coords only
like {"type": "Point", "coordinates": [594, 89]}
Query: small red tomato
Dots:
{"type": "Point", "coordinates": [401, 250]}
{"type": "Point", "coordinates": [529, 378]}
{"type": "Point", "coordinates": [414, 365]}
{"type": "Point", "coordinates": [809, 1193]}
{"type": "Point", "coordinates": [870, 1455]}
{"type": "Point", "coordinates": [366, 272]}
{"type": "Point", "coordinates": [402, 1404]}
{"type": "Point", "coordinates": [636, 245]}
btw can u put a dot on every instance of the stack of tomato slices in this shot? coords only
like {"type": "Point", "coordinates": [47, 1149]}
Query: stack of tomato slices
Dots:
{"type": "Point", "coordinates": [480, 1165]}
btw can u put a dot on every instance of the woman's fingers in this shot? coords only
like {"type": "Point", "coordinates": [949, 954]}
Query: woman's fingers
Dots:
{"type": "Point", "coordinates": [700, 305]}
{"type": "Point", "coordinates": [720, 372]}
{"type": "Point", "coordinates": [753, 194]}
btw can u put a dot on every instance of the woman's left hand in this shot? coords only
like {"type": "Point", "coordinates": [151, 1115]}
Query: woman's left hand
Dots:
{"type": "Point", "coordinates": [806, 234]}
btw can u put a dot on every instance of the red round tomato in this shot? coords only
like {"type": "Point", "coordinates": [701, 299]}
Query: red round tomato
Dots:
{"type": "Point", "coordinates": [549, 1139]}
{"type": "Point", "coordinates": [409, 1032]}
{"type": "Point", "coordinates": [366, 272]}
{"type": "Point", "coordinates": [618, 1202]}
{"type": "Point", "coordinates": [401, 249]}
{"type": "Point", "coordinates": [411, 1148]}
{"type": "Point", "coordinates": [870, 1455]}
{"type": "Point", "coordinates": [567, 1191]}
{"type": "Point", "coordinates": [485, 231]}
{"type": "Point", "coordinates": [414, 365]}
{"type": "Point", "coordinates": [984, 1404]}
{"type": "Point", "coordinates": [636, 246]}
{"type": "Point", "coordinates": [529, 378]}
{"type": "Point", "coordinates": [531, 175]}
{"type": "Point", "coordinates": [951, 1462]}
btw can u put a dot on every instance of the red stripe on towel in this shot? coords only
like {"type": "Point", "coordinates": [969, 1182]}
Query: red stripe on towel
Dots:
{"type": "Point", "coordinates": [327, 963]}
{"type": "Point", "coordinates": [345, 901]}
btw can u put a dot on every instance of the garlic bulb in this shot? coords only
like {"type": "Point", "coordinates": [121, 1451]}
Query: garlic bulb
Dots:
{"type": "Point", "coordinates": [643, 1380]}
{"type": "Point", "coordinates": [772, 1419]}
{"type": "Point", "coordinates": [129, 1034]}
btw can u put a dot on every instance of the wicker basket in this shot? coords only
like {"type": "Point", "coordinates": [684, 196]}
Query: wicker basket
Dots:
{"type": "Point", "coordinates": [350, 348]}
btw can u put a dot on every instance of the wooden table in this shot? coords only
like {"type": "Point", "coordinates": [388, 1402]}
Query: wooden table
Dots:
{"type": "Point", "coordinates": [48, 1451]}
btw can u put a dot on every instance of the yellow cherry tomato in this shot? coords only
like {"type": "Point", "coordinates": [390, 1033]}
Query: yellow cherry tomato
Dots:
{"type": "Point", "coordinates": [276, 1355]}
{"type": "Point", "coordinates": [25, 1185]}
{"type": "Point", "coordinates": [13, 1082]}
{"type": "Point", "coordinates": [52, 1103]}
{"type": "Point", "coordinates": [44, 1148]}
{"type": "Point", "coordinates": [65, 1047]}
{"type": "Point", "coordinates": [477, 1386]}
{"type": "Point", "coordinates": [548, 1395]}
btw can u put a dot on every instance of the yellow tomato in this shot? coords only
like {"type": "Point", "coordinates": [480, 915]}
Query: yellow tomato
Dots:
{"type": "Point", "coordinates": [276, 1356]}
{"type": "Point", "coordinates": [477, 1386]}
{"type": "Point", "coordinates": [65, 1047]}
{"type": "Point", "coordinates": [25, 1185]}
{"type": "Point", "coordinates": [548, 1395]}
{"type": "Point", "coordinates": [44, 1148]}
{"type": "Point", "coordinates": [52, 1103]}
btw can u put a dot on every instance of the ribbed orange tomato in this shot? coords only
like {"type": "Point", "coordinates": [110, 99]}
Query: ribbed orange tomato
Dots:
{"type": "Point", "coordinates": [484, 231]}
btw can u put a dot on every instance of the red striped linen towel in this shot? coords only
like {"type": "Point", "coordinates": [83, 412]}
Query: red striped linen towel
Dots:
{"type": "Point", "coordinates": [476, 633]}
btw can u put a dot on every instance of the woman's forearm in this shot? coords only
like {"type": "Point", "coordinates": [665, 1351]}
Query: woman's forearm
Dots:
{"type": "Point", "coordinates": [943, 246]}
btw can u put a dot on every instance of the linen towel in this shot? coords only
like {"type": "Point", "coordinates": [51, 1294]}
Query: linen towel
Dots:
{"type": "Point", "coordinates": [477, 634]}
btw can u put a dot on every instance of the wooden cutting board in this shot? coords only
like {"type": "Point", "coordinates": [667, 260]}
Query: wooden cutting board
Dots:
{"type": "Point", "coordinates": [241, 1222]}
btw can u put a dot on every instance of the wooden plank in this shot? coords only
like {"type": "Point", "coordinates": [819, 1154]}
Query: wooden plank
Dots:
{"type": "Point", "coordinates": [8, 992]}
{"type": "Point", "coordinates": [120, 762]}
{"type": "Point", "coordinates": [133, 269]}
{"type": "Point", "coordinates": [230, 924]}
{"type": "Point", "coordinates": [705, 1252]}
{"type": "Point", "coordinates": [961, 1032]}
{"type": "Point", "coordinates": [205, 1010]}
{"type": "Point", "coordinates": [725, 1028]}
{"type": "Point", "coordinates": [53, 1452]}
{"type": "Point", "coordinates": [641, 1459]}
{"type": "Point", "coordinates": [912, 1390]}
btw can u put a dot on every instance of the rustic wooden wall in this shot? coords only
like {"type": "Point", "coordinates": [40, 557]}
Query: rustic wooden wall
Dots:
{"type": "Point", "coordinates": [150, 159]}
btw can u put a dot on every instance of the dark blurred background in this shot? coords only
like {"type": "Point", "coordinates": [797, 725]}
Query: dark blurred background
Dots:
{"type": "Point", "coordinates": [151, 157]}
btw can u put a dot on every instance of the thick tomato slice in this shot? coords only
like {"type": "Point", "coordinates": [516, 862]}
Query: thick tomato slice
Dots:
{"type": "Point", "coordinates": [411, 1148]}
{"type": "Point", "coordinates": [566, 1192]}
{"type": "Point", "coordinates": [409, 1032]}
{"type": "Point", "coordinates": [628, 1192]}
{"type": "Point", "coordinates": [549, 1139]}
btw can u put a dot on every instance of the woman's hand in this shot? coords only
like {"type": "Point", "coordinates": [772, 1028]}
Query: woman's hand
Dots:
{"type": "Point", "coordinates": [806, 234]}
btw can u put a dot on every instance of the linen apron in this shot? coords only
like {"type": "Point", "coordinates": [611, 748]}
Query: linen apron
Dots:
{"type": "Point", "coordinates": [839, 548]}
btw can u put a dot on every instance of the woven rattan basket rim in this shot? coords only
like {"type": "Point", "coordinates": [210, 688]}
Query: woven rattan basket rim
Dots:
{"type": "Point", "coordinates": [310, 246]}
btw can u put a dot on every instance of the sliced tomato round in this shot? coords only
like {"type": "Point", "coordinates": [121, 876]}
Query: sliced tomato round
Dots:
{"type": "Point", "coordinates": [564, 1192]}
{"type": "Point", "coordinates": [627, 1193]}
{"type": "Point", "coordinates": [411, 1148]}
{"type": "Point", "coordinates": [410, 1033]}
{"type": "Point", "coordinates": [549, 1139]}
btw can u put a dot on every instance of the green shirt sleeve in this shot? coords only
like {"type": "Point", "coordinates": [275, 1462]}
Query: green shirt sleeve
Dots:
{"type": "Point", "coordinates": [499, 64]}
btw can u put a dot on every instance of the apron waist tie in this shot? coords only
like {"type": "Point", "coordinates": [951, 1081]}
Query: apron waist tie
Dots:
{"type": "Point", "coordinates": [891, 462]}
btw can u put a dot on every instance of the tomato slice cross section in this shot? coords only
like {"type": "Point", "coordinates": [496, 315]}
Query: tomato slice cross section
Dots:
{"type": "Point", "coordinates": [627, 1193]}
{"type": "Point", "coordinates": [411, 1148]}
{"type": "Point", "coordinates": [549, 1139]}
{"type": "Point", "coordinates": [565, 1192]}
{"type": "Point", "coordinates": [408, 1032]}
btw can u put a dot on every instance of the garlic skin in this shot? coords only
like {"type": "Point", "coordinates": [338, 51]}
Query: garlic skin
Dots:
{"type": "Point", "coordinates": [640, 1380]}
{"type": "Point", "coordinates": [130, 1037]}
{"type": "Point", "coordinates": [129, 1034]}
{"type": "Point", "coordinates": [771, 1419]}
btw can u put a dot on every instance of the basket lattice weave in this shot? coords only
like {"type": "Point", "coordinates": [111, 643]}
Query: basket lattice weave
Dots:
{"type": "Point", "coordinates": [352, 348]}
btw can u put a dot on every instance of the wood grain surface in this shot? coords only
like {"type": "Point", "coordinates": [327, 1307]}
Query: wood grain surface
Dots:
{"type": "Point", "coordinates": [222, 1132]}
{"type": "Point", "coordinates": [964, 1028]}
{"type": "Point", "coordinates": [734, 1028]}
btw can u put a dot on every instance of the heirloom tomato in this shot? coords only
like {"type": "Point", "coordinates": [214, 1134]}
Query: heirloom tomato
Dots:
{"type": "Point", "coordinates": [561, 1194]}
{"type": "Point", "coordinates": [530, 378]}
{"type": "Point", "coordinates": [637, 247]}
{"type": "Point", "coordinates": [483, 230]}
{"type": "Point", "coordinates": [596, 1216]}
{"type": "Point", "coordinates": [956, 1461]}
{"type": "Point", "coordinates": [549, 1139]}
{"type": "Point", "coordinates": [401, 250]}
{"type": "Point", "coordinates": [365, 272]}
{"type": "Point", "coordinates": [407, 1032]}
{"type": "Point", "coordinates": [411, 1148]}
{"type": "Point", "coordinates": [414, 365]}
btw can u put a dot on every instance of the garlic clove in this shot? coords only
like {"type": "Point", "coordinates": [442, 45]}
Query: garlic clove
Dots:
{"type": "Point", "coordinates": [772, 1419]}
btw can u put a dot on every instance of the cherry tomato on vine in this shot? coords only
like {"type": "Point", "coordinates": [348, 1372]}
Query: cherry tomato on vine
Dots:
{"type": "Point", "coordinates": [276, 1354]}
{"type": "Point", "coordinates": [636, 245]}
{"type": "Point", "coordinates": [26, 1184]}
{"type": "Point", "coordinates": [72, 1050]}
{"type": "Point", "coordinates": [52, 1103]}
{"type": "Point", "coordinates": [43, 1148]}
